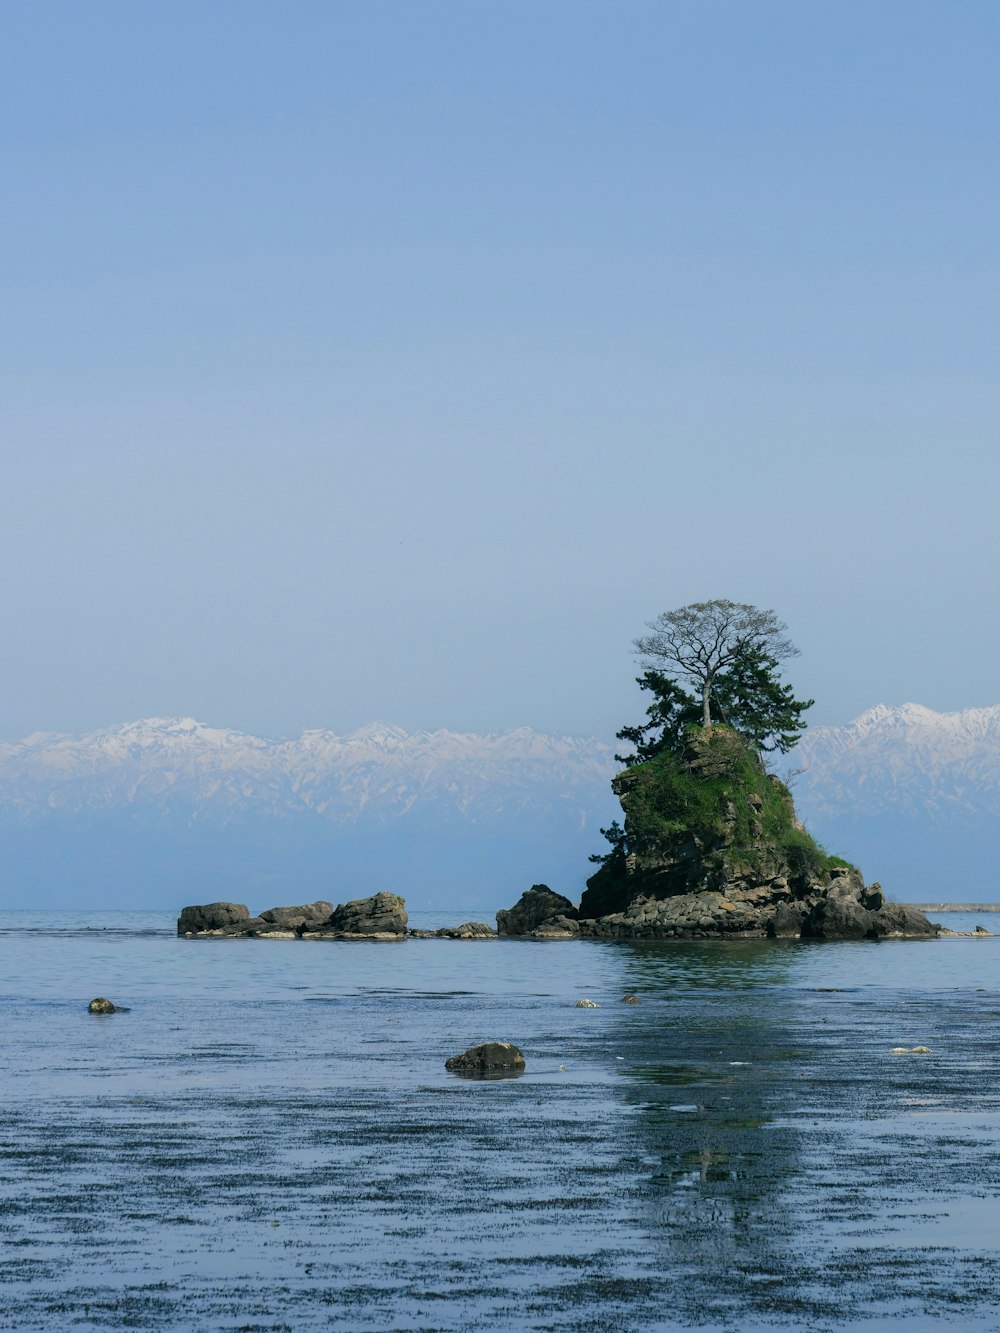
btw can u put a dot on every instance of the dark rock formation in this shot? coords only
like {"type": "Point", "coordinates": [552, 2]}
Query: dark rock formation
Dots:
{"type": "Point", "coordinates": [849, 911]}
{"type": "Point", "coordinates": [557, 928]}
{"type": "Point", "coordinates": [101, 1006]}
{"type": "Point", "coordinates": [491, 1057]}
{"type": "Point", "coordinates": [468, 930]}
{"type": "Point", "coordinates": [310, 915]}
{"type": "Point", "coordinates": [535, 906]}
{"type": "Point", "coordinates": [383, 916]}
{"type": "Point", "coordinates": [214, 917]}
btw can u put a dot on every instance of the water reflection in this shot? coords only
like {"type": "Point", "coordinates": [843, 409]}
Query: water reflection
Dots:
{"type": "Point", "coordinates": [702, 1056]}
{"type": "Point", "coordinates": [791, 1157]}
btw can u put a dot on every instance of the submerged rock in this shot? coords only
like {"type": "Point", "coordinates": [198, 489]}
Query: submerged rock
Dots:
{"type": "Point", "coordinates": [535, 906]}
{"type": "Point", "coordinates": [490, 1057]}
{"type": "Point", "coordinates": [468, 930]}
{"type": "Point", "coordinates": [101, 1006]}
{"type": "Point", "coordinates": [630, 999]}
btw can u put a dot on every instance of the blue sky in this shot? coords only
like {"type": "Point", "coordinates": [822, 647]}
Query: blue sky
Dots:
{"type": "Point", "coordinates": [402, 359]}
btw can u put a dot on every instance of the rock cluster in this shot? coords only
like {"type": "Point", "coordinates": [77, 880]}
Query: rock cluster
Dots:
{"type": "Point", "coordinates": [380, 917]}
{"type": "Point", "coordinates": [468, 930]}
{"type": "Point", "coordinates": [838, 907]}
{"type": "Point", "coordinates": [842, 908]}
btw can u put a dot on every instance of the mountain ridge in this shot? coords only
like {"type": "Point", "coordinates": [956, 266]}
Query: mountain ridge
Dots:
{"type": "Point", "coordinates": [909, 794]}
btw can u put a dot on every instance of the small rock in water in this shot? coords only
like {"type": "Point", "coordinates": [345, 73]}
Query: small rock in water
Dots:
{"type": "Point", "coordinates": [630, 999]}
{"type": "Point", "coordinates": [587, 1004]}
{"type": "Point", "coordinates": [910, 1050]}
{"type": "Point", "coordinates": [490, 1057]}
{"type": "Point", "coordinates": [101, 1006]}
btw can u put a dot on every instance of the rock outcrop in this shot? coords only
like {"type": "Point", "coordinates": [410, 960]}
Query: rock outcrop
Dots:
{"type": "Point", "coordinates": [216, 919]}
{"type": "Point", "coordinates": [712, 848]}
{"type": "Point", "coordinates": [381, 917]}
{"type": "Point", "coordinates": [489, 1058]}
{"type": "Point", "coordinates": [291, 918]}
{"type": "Point", "coordinates": [535, 906]}
{"type": "Point", "coordinates": [468, 930]}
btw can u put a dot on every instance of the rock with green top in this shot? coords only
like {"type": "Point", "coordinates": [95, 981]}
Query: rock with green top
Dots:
{"type": "Point", "coordinates": [712, 847]}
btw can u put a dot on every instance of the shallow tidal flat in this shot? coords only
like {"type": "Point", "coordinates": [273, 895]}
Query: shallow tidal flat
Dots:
{"type": "Point", "coordinates": [268, 1139]}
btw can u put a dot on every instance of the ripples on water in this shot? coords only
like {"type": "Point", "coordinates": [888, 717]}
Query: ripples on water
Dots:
{"type": "Point", "coordinates": [268, 1139]}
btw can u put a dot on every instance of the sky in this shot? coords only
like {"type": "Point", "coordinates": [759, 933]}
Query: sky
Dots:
{"type": "Point", "coordinates": [401, 360]}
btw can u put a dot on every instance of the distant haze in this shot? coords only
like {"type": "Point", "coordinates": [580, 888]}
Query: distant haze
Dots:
{"type": "Point", "coordinates": [162, 812]}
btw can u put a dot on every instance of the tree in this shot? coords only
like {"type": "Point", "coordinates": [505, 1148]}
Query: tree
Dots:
{"type": "Point", "coordinates": [753, 701]}
{"type": "Point", "coordinates": [706, 640]}
{"type": "Point", "coordinates": [667, 718]}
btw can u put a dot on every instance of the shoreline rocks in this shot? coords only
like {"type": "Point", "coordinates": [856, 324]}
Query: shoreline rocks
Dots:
{"type": "Point", "coordinates": [837, 907]}
{"type": "Point", "coordinates": [380, 917]}
{"type": "Point", "coordinates": [535, 907]}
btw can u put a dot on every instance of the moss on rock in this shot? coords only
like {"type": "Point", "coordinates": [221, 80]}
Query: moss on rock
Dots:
{"type": "Point", "coordinates": [705, 820]}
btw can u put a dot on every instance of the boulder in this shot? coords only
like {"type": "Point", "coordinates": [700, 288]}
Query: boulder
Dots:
{"type": "Point", "coordinates": [468, 930]}
{"type": "Point", "coordinates": [212, 916]}
{"type": "Point", "coordinates": [556, 928]}
{"type": "Point", "coordinates": [786, 923]}
{"type": "Point", "coordinates": [381, 916]}
{"type": "Point", "coordinates": [309, 916]}
{"type": "Point", "coordinates": [534, 906]}
{"type": "Point", "coordinates": [491, 1057]}
{"type": "Point", "coordinates": [101, 1006]}
{"type": "Point", "coordinates": [896, 920]}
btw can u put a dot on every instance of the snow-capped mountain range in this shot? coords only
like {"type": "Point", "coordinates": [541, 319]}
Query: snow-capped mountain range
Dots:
{"type": "Point", "coordinates": [380, 773]}
{"type": "Point", "coordinates": [904, 761]}
{"type": "Point", "coordinates": [165, 809]}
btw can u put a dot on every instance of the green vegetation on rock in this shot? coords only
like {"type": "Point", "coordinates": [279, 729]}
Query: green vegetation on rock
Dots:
{"type": "Point", "coordinates": [704, 818]}
{"type": "Point", "coordinates": [702, 813]}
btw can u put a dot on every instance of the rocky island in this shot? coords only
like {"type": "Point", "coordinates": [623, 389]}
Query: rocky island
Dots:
{"type": "Point", "coordinates": [712, 848]}
{"type": "Point", "coordinates": [711, 845]}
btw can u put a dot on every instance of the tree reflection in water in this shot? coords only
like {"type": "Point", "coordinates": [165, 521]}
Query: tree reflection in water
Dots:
{"type": "Point", "coordinates": [788, 1157]}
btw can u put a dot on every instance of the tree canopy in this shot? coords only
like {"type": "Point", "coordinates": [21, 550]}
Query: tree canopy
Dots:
{"type": "Point", "coordinates": [705, 640]}
{"type": "Point", "coordinates": [730, 652]}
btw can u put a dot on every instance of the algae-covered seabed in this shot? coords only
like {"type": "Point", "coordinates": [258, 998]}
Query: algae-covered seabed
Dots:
{"type": "Point", "coordinates": [739, 1150]}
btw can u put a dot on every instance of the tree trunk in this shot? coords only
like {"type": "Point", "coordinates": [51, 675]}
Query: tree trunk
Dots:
{"type": "Point", "coordinates": [706, 712]}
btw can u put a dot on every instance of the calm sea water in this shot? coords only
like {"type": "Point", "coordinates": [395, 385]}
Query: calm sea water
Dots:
{"type": "Point", "coordinates": [268, 1139]}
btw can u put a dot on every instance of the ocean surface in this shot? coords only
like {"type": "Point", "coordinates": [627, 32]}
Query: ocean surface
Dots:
{"type": "Point", "coordinates": [268, 1139]}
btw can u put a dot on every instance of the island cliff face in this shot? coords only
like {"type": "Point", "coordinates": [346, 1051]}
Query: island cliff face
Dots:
{"type": "Point", "coordinates": [712, 847]}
